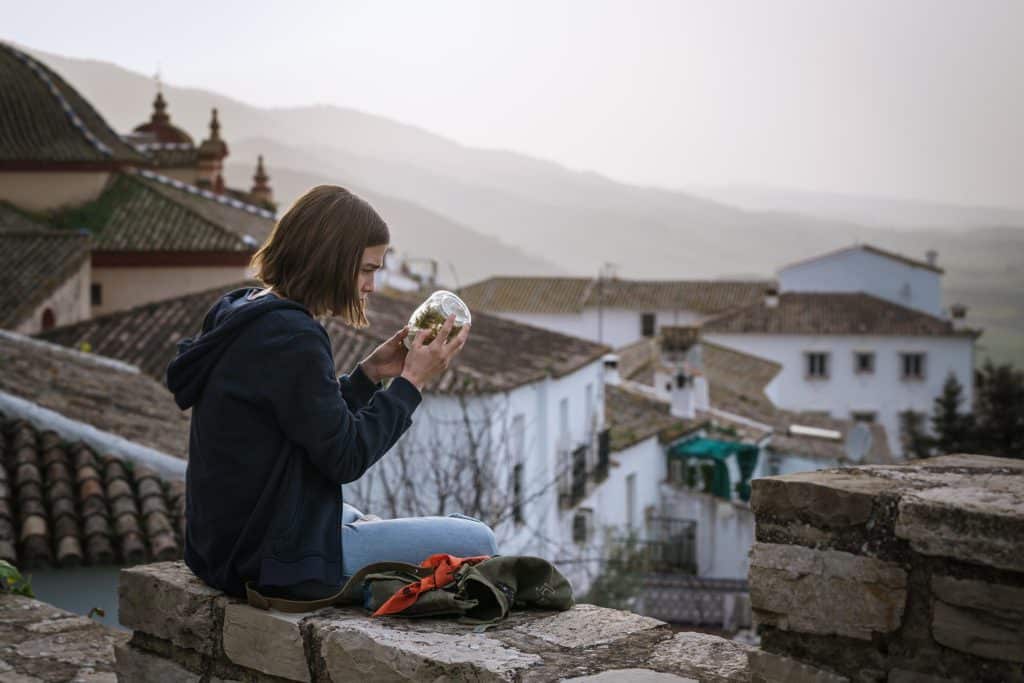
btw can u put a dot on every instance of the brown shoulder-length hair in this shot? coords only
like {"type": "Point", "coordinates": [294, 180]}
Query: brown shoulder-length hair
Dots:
{"type": "Point", "coordinates": [314, 253]}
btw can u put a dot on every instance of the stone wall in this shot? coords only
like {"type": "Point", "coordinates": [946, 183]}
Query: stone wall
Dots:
{"type": "Point", "coordinates": [186, 631]}
{"type": "Point", "coordinates": [891, 573]}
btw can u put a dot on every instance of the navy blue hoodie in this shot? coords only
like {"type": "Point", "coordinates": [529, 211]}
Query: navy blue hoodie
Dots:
{"type": "Point", "coordinates": [274, 434]}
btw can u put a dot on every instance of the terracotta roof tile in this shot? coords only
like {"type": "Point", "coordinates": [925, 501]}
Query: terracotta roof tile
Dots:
{"type": "Point", "coordinates": [133, 214]}
{"type": "Point", "coordinates": [572, 295]}
{"type": "Point", "coordinates": [44, 119]}
{"type": "Point", "coordinates": [632, 417]}
{"type": "Point", "coordinates": [831, 313]}
{"type": "Point", "coordinates": [56, 517]}
{"type": "Point", "coordinates": [147, 336]}
{"type": "Point", "coordinates": [33, 264]}
{"type": "Point", "coordinates": [13, 219]}
{"type": "Point", "coordinates": [106, 395]}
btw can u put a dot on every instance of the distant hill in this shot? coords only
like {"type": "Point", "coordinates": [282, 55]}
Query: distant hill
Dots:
{"type": "Point", "coordinates": [879, 212]}
{"type": "Point", "coordinates": [539, 215]}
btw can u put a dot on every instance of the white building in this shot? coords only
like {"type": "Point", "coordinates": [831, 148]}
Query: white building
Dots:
{"type": "Point", "coordinates": [864, 268]}
{"type": "Point", "coordinates": [851, 355]}
{"type": "Point", "coordinates": [609, 311]}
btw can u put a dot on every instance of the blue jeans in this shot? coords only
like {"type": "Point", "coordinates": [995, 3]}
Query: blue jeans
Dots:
{"type": "Point", "coordinates": [408, 539]}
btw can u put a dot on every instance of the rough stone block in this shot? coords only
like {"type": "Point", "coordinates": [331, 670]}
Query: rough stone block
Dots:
{"type": "Point", "coordinates": [708, 658]}
{"type": "Point", "coordinates": [165, 599]}
{"type": "Point", "coordinates": [266, 641]}
{"type": "Point", "coordinates": [829, 499]}
{"type": "Point", "coordinates": [979, 618]}
{"type": "Point", "coordinates": [587, 625]}
{"type": "Point", "coordinates": [378, 650]}
{"type": "Point", "coordinates": [137, 666]}
{"type": "Point", "coordinates": [905, 676]}
{"type": "Point", "coordinates": [631, 675]}
{"type": "Point", "coordinates": [767, 667]}
{"type": "Point", "coordinates": [981, 523]}
{"type": "Point", "coordinates": [825, 592]}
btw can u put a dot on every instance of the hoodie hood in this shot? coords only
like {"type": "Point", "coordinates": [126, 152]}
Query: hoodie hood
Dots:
{"type": "Point", "coordinates": [188, 372]}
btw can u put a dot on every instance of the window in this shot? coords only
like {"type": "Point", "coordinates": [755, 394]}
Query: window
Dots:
{"type": "Point", "coordinates": [581, 526]}
{"type": "Point", "coordinates": [96, 294]}
{"type": "Point", "coordinates": [631, 501]}
{"type": "Point", "coordinates": [589, 406]}
{"type": "Point", "coordinates": [517, 493]}
{"type": "Point", "coordinates": [49, 319]}
{"type": "Point", "coordinates": [912, 366]}
{"type": "Point", "coordinates": [647, 321]}
{"type": "Point", "coordinates": [563, 416]}
{"type": "Point", "coordinates": [863, 416]}
{"type": "Point", "coordinates": [864, 362]}
{"type": "Point", "coordinates": [817, 365]}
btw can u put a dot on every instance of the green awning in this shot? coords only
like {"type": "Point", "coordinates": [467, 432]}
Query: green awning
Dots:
{"type": "Point", "coordinates": [717, 452]}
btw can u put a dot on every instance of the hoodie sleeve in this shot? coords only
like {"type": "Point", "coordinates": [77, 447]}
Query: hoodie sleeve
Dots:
{"type": "Point", "coordinates": [356, 388]}
{"type": "Point", "coordinates": [311, 410]}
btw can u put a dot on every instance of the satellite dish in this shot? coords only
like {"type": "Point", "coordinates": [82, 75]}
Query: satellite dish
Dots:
{"type": "Point", "coordinates": [858, 442]}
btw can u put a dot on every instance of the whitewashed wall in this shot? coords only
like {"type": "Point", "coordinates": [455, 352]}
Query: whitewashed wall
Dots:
{"type": "Point", "coordinates": [845, 391]}
{"type": "Point", "coordinates": [125, 287]}
{"type": "Point", "coordinates": [863, 271]}
{"type": "Point", "coordinates": [725, 530]}
{"type": "Point", "coordinates": [69, 303]}
{"type": "Point", "coordinates": [614, 326]}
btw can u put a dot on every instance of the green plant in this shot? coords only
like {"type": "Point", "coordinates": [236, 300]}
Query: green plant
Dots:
{"type": "Point", "coordinates": [11, 581]}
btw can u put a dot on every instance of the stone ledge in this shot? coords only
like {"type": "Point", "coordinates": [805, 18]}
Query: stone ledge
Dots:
{"type": "Point", "coordinates": [186, 631]}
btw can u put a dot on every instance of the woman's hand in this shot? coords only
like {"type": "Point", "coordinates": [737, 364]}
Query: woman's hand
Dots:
{"type": "Point", "coordinates": [426, 362]}
{"type": "Point", "coordinates": [388, 359]}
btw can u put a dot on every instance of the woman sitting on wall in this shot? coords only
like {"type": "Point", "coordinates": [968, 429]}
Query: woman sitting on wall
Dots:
{"type": "Point", "coordinates": [275, 433]}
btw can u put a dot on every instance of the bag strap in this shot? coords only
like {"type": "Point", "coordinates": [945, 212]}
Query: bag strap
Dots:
{"type": "Point", "coordinates": [349, 593]}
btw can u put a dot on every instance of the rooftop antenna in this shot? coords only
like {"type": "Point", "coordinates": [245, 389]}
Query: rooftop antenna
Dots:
{"type": "Point", "coordinates": [157, 79]}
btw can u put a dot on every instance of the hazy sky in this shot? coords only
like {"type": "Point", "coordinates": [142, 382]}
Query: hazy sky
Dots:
{"type": "Point", "coordinates": [904, 98]}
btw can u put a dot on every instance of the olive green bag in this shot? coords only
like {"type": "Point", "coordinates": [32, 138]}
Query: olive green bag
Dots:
{"type": "Point", "coordinates": [480, 593]}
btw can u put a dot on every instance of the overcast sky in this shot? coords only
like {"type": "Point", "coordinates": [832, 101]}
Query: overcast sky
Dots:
{"type": "Point", "coordinates": [904, 98]}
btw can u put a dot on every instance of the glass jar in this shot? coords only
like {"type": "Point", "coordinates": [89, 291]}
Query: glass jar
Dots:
{"type": "Point", "coordinates": [431, 314]}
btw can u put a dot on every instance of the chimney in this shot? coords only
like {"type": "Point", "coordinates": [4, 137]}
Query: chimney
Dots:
{"type": "Point", "coordinates": [958, 313]}
{"type": "Point", "coordinates": [611, 369]}
{"type": "Point", "coordinates": [261, 192]}
{"type": "Point", "coordinates": [932, 257]}
{"type": "Point", "coordinates": [689, 391]}
{"type": "Point", "coordinates": [771, 297]}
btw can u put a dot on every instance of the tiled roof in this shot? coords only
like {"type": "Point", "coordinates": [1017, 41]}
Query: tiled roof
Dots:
{"type": "Point", "coordinates": [135, 213]}
{"type": "Point", "coordinates": [32, 265]}
{"type": "Point", "coordinates": [144, 336]}
{"type": "Point", "coordinates": [632, 417]}
{"type": "Point", "coordinates": [572, 295]}
{"type": "Point", "coordinates": [13, 219]}
{"type": "Point", "coordinates": [500, 354]}
{"type": "Point", "coordinates": [834, 313]}
{"type": "Point", "coordinates": [735, 379]}
{"type": "Point", "coordinates": [874, 250]}
{"type": "Point", "coordinates": [92, 390]}
{"type": "Point", "coordinates": [43, 119]}
{"type": "Point", "coordinates": [170, 154]}
{"type": "Point", "coordinates": [230, 213]}
{"type": "Point", "coordinates": [65, 505]}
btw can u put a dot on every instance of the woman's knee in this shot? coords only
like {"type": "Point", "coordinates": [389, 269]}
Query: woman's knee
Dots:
{"type": "Point", "coordinates": [478, 534]}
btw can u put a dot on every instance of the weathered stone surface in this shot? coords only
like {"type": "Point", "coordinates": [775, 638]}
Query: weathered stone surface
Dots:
{"type": "Point", "coordinates": [136, 666]}
{"type": "Point", "coordinates": [632, 676]}
{"type": "Point", "coordinates": [377, 650]}
{"type": "Point", "coordinates": [266, 641]}
{"type": "Point", "coordinates": [979, 618]}
{"type": "Point", "coordinates": [587, 625]}
{"type": "Point", "coordinates": [904, 676]}
{"type": "Point", "coordinates": [825, 592]}
{"type": "Point", "coordinates": [165, 599]}
{"type": "Point", "coordinates": [767, 667]}
{"type": "Point", "coordinates": [40, 642]}
{"type": "Point", "coordinates": [708, 658]}
{"type": "Point", "coordinates": [830, 499]}
{"type": "Point", "coordinates": [978, 522]}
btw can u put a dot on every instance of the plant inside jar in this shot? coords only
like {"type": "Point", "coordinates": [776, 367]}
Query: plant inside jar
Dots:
{"type": "Point", "coordinates": [432, 319]}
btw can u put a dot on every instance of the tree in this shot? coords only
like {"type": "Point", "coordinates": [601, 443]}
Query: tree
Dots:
{"type": "Point", "coordinates": [999, 410]}
{"type": "Point", "coordinates": [916, 443]}
{"type": "Point", "coordinates": [954, 430]}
